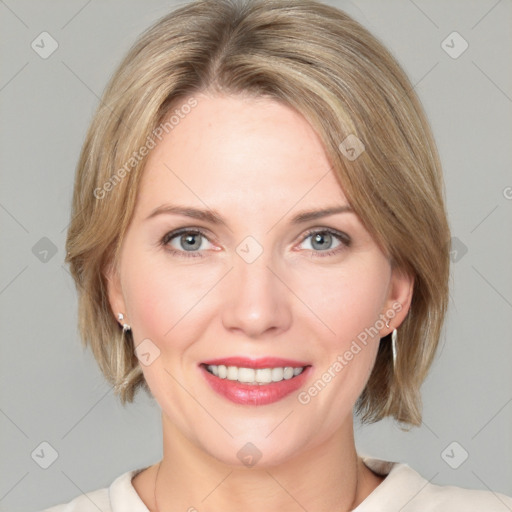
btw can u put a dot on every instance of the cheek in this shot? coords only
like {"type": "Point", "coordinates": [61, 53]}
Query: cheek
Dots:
{"type": "Point", "coordinates": [348, 300]}
{"type": "Point", "coordinates": [162, 297]}
{"type": "Point", "coordinates": [149, 298]}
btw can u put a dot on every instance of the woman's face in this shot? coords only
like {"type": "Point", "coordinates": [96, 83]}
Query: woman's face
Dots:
{"type": "Point", "coordinates": [243, 276]}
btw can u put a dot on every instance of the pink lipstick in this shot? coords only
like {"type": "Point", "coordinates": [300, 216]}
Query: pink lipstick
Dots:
{"type": "Point", "coordinates": [259, 381]}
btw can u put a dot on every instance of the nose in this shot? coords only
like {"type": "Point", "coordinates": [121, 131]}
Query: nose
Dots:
{"type": "Point", "coordinates": [256, 299]}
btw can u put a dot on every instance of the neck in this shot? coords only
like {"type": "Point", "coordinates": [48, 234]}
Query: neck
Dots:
{"type": "Point", "coordinates": [328, 477]}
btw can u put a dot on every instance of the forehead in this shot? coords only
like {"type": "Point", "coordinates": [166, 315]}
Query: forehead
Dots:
{"type": "Point", "coordinates": [242, 152]}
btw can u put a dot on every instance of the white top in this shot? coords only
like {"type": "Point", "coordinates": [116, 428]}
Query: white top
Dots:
{"type": "Point", "coordinates": [402, 490]}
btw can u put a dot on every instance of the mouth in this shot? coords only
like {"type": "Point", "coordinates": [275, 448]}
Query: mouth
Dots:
{"type": "Point", "coordinates": [255, 382]}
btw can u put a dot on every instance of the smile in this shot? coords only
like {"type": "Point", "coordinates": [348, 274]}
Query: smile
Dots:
{"type": "Point", "coordinates": [255, 382]}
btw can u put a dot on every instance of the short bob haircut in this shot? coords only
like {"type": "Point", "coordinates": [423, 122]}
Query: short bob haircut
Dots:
{"type": "Point", "coordinates": [319, 61]}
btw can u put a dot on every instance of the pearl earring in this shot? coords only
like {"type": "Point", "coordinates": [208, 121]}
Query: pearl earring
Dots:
{"type": "Point", "coordinates": [126, 327]}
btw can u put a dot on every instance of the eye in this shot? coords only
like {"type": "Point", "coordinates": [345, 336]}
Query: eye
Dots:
{"type": "Point", "coordinates": [185, 242]}
{"type": "Point", "coordinates": [188, 243]}
{"type": "Point", "coordinates": [323, 241]}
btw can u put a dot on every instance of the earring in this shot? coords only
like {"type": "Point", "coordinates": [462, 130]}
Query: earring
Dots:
{"type": "Point", "coordinates": [393, 342]}
{"type": "Point", "coordinates": [393, 346]}
{"type": "Point", "coordinates": [126, 327]}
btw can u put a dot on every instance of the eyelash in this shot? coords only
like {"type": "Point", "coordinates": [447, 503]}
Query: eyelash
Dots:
{"type": "Point", "coordinates": [342, 237]}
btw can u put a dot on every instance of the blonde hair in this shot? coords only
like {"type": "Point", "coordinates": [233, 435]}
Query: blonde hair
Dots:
{"type": "Point", "coordinates": [319, 61]}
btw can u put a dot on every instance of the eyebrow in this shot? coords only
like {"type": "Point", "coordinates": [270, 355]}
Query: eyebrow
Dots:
{"type": "Point", "coordinates": [213, 217]}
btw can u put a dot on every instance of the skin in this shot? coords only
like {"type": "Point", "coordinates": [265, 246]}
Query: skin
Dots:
{"type": "Point", "coordinates": [257, 163]}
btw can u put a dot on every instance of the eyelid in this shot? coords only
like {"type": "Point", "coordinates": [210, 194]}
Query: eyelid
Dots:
{"type": "Point", "coordinates": [345, 238]}
{"type": "Point", "coordinates": [179, 231]}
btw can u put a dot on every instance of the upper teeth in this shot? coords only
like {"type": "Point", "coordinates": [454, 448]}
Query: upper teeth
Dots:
{"type": "Point", "coordinates": [254, 376]}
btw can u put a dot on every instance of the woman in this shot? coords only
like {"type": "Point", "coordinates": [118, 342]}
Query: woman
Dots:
{"type": "Point", "coordinates": [259, 240]}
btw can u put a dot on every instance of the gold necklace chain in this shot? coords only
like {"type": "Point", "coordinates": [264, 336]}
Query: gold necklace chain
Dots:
{"type": "Point", "coordinates": [156, 479]}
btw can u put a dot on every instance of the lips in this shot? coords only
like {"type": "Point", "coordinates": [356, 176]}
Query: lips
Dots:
{"type": "Point", "coordinates": [254, 394]}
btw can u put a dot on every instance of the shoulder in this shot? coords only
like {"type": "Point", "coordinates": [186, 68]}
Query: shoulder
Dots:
{"type": "Point", "coordinates": [440, 497]}
{"type": "Point", "coordinates": [89, 502]}
{"type": "Point", "coordinates": [119, 497]}
{"type": "Point", "coordinates": [406, 490]}
{"type": "Point", "coordinates": [447, 497]}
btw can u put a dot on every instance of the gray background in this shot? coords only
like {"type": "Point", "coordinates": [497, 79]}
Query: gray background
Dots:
{"type": "Point", "coordinates": [52, 391]}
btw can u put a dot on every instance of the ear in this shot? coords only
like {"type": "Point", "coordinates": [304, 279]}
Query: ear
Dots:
{"type": "Point", "coordinates": [399, 299]}
{"type": "Point", "coordinates": [114, 290]}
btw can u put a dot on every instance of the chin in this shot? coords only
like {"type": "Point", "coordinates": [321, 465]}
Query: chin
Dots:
{"type": "Point", "coordinates": [253, 452]}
